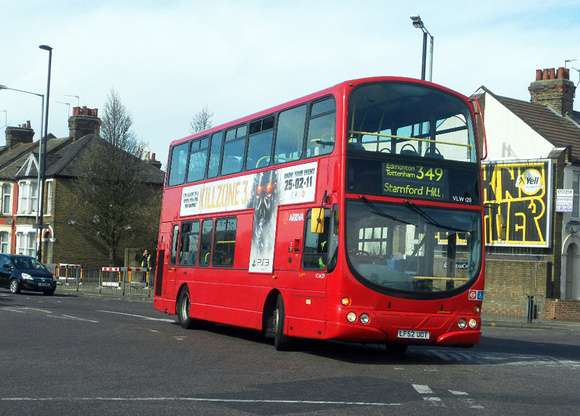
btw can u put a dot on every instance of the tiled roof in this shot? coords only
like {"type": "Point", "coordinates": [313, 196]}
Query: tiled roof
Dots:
{"type": "Point", "coordinates": [558, 130]}
{"type": "Point", "coordinates": [62, 159]}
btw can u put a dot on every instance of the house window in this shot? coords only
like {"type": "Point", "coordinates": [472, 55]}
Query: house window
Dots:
{"type": "Point", "coordinates": [575, 186]}
{"type": "Point", "coordinates": [6, 199]}
{"type": "Point", "coordinates": [4, 242]}
{"type": "Point", "coordinates": [27, 198]}
{"type": "Point", "coordinates": [26, 243]}
{"type": "Point", "coordinates": [49, 190]}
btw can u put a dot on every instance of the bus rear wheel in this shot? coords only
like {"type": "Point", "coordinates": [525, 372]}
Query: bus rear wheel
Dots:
{"type": "Point", "coordinates": [183, 304]}
{"type": "Point", "coordinates": [281, 341]}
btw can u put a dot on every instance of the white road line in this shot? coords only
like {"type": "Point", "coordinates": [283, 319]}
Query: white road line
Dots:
{"type": "Point", "coordinates": [467, 400]}
{"type": "Point", "coordinates": [27, 308]}
{"type": "Point", "coordinates": [422, 389]}
{"type": "Point", "coordinates": [180, 338]}
{"type": "Point", "coordinates": [154, 331]}
{"type": "Point", "coordinates": [73, 318]}
{"type": "Point", "coordinates": [147, 318]}
{"type": "Point", "coordinates": [9, 309]}
{"type": "Point", "coordinates": [190, 399]}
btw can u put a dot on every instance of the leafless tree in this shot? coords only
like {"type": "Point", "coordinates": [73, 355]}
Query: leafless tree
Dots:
{"type": "Point", "coordinates": [118, 193]}
{"type": "Point", "coordinates": [116, 126]}
{"type": "Point", "coordinates": [201, 120]}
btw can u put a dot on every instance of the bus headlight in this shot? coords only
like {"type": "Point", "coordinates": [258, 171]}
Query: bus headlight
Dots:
{"type": "Point", "coordinates": [364, 318]}
{"type": "Point", "coordinates": [462, 323]}
{"type": "Point", "coordinates": [472, 323]}
{"type": "Point", "coordinates": [351, 317]}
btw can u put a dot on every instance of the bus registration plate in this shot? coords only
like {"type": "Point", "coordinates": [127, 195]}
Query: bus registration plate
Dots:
{"type": "Point", "coordinates": [412, 334]}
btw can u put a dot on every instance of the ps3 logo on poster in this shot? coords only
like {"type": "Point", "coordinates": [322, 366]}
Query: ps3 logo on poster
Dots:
{"type": "Point", "coordinates": [263, 192]}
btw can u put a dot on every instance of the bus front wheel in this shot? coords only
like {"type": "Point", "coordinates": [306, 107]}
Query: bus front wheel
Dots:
{"type": "Point", "coordinates": [281, 341]}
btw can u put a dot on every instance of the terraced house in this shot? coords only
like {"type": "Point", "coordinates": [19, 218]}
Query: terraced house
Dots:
{"type": "Point", "coordinates": [65, 239]}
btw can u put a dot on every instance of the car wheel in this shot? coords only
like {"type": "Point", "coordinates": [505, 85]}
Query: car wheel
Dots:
{"type": "Point", "coordinates": [281, 341]}
{"type": "Point", "coordinates": [14, 286]}
{"type": "Point", "coordinates": [183, 304]}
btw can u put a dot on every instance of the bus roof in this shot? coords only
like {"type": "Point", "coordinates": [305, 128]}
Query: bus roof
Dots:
{"type": "Point", "coordinates": [319, 94]}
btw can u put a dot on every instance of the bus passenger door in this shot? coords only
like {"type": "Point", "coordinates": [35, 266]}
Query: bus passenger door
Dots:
{"type": "Point", "coordinates": [171, 271]}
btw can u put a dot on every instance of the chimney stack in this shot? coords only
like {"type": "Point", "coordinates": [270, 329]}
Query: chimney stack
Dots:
{"type": "Point", "coordinates": [150, 158]}
{"type": "Point", "coordinates": [19, 134]}
{"type": "Point", "coordinates": [553, 89]}
{"type": "Point", "coordinates": [83, 121]}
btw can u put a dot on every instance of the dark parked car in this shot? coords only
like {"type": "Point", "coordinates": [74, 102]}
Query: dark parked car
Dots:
{"type": "Point", "coordinates": [25, 273]}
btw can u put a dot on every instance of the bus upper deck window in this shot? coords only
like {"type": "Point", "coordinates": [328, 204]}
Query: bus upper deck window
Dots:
{"type": "Point", "coordinates": [178, 164]}
{"type": "Point", "coordinates": [321, 128]}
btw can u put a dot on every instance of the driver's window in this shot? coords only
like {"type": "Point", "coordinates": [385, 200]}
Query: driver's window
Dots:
{"type": "Point", "coordinates": [315, 253]}
{"type": "Point", "coordinates": [321, 128]}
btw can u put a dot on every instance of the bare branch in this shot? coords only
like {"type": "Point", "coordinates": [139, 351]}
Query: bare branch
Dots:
{"type": "Point", "coordinates": [201, 120]}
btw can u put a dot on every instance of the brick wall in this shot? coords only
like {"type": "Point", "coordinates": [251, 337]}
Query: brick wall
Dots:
{"type": "Point", "coordinates": [508, 284]}
{"type": "Point", "coordinates": [73, 245]}
{"type": "Point", "coordinates": [563, 310]}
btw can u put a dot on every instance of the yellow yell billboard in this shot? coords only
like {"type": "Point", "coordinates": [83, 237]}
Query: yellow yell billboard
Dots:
{"type": "Point", "coordinates": [517, 197]}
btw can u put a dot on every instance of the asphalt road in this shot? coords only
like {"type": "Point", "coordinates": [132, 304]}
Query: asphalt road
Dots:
{"type": "Point", "coordinates": [68, 355]}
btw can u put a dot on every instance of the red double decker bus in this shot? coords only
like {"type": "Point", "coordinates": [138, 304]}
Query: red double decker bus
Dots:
{"type": "Point", "coordinates": [353, 213]}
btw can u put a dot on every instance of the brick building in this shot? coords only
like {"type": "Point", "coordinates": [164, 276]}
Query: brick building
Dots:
{"type": "Point", "coordinates": [534, 152]}
{"type": "Point", "coordinates": [63, 240]}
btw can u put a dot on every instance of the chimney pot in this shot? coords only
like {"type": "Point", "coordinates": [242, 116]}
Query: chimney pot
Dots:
{"type": "Point", "coordinates": [554, 90]}
{"type": "Point", "coordinates": [21, 134]}
{"type": "Point", "coordinates": [84, 121]}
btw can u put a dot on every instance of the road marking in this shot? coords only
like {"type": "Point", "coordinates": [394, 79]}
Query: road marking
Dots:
{"type": "Point", "coordinates": [503, 359]}
{"type": "Point", "coordinates": [432, 400]}
{"type": "Point", "coordinates": [9, 309]}
{"type": "Point", "coordinates": [422, 389]}
{"type": "Point", "coordinates": [147, 318]}
{"type": "Point", "coordinates": [73, 318]}
{"type": "Point", "coordinates": [27, 308]}
{"type": "Point", "coordinates": [154, 331]}
{"type": "Point", "coordinates": [191, 399]}
{"type": "Point", "coordinates": [467, 400]}
{"type": "Point", "coordinates": [180, 338]}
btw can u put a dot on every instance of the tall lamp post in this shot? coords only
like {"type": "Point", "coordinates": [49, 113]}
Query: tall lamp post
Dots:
{"type": "Point", "coordinates": [42, 134]}
{"type": "Point", "coordinates": [43, 156]}
{"type": "Point", "coordinates": [418, 23]}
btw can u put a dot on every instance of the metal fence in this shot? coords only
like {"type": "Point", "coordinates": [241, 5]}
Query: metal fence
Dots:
{"type": "Point", "coordinates": [106, 280]}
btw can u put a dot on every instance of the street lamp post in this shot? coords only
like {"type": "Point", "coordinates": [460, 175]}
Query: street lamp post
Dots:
{"type": "Point", "coordinates": [42, 134]}
{"type": "Point", "coordinates": [43, 155]}
{"type": "Point", "coordinates": [418, 23]}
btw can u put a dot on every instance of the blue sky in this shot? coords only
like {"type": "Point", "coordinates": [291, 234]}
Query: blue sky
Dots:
{"type": "Point", "coordinates": [169, 59]}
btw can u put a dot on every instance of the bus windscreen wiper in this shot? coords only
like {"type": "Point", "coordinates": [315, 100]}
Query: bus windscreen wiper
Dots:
{"type": "Point", "coordinates": [430, 219]}
{"type": "Point", "coordinates": [375, 210]}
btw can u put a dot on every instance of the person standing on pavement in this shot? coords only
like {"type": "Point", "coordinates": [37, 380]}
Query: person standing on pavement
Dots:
{"type": "Point", "coordinates": [146, 263]}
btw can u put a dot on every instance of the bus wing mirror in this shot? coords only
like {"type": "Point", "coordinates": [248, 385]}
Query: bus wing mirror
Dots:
{"type": "Point", "coordinates": [317, 221]}
{"type": "Point", "coordinates": [480, 128]}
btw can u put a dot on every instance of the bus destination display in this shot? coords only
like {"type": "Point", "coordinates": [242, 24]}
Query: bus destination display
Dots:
{"type": "Point", "coordinates": [415, 181]}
